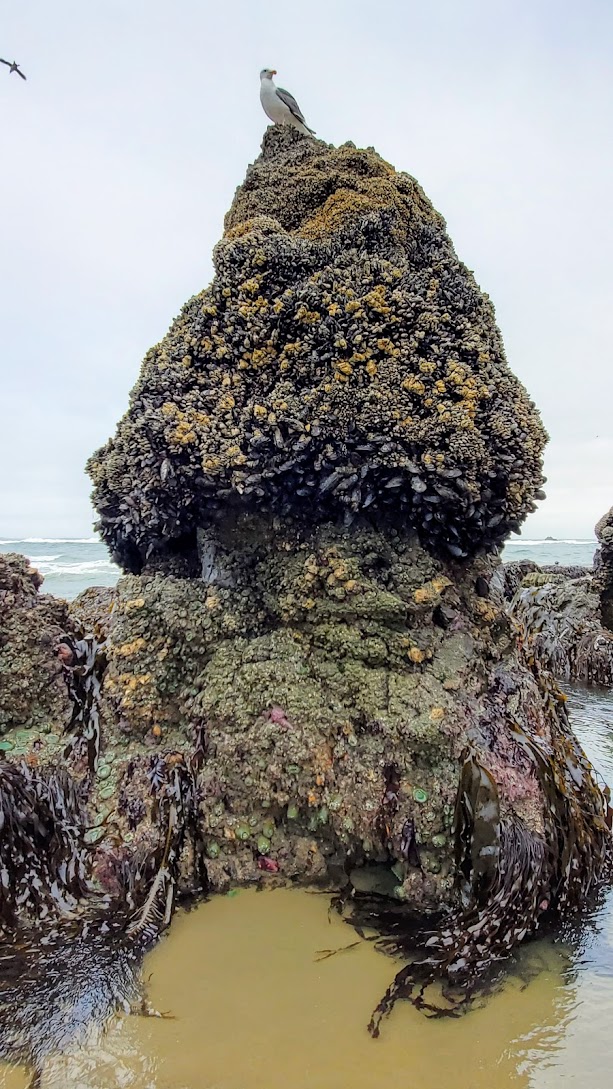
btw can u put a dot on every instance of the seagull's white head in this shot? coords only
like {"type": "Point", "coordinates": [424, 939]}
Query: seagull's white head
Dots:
{"type": "Point", "coordinates": [268, 73]}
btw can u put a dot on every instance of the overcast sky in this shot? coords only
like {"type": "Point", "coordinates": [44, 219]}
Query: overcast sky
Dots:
{"type": "Point", "coordinates": [121, 153]}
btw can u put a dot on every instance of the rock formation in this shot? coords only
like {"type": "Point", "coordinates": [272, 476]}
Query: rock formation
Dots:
{"type": "Point", "coordinates": [308, 491]}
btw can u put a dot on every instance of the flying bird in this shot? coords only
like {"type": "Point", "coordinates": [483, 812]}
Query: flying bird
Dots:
{"type": "Point", "coordinates": [13, 67]}
{"type": "Point", "coordinates": [280, 105]}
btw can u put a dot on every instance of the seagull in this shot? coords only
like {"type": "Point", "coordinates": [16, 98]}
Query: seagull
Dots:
{"type": "Point", "coordinates": [13, 67]}
{"type": "Point", "coordinates": [280, 105]}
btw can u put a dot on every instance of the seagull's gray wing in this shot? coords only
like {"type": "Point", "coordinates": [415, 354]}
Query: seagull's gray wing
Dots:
{"type": "Point", "coordinates": [20, 73]}
{"type": "Point", "coordinates": [8, 63]}
{"type": "Point", "coordinates": [291, 104]}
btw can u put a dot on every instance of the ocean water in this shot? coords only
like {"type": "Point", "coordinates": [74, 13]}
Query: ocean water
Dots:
{"type": "Point", "coordinates": [69, 565]}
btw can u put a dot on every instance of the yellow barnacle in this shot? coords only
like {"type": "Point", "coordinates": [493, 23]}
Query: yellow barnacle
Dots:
{"type": "Point", "coordinates": [226, 402]}
{"type": "Point", "coordinates": [126, 650]}
{"type": "Point", "coordinates": [344, 367]}
{"type": "Point", "coordinates": [210, 464]}
{"type": "Point", "coordinates": [441, 583]}
{"type": "Point", "coordinates": [371, 368]}
{"type": "Point", "coordinates": [413, 385]}
{"type": "Point", "coordinates": [250, 286]}
{"type": "Point", "coordinates": [423, 595]}
{"type": "Point", "coordinates": [384, 344]}
{"type": "Point", "coordinates": [376, 300]}
{"type": "Point", "coordinates": [308, 317]}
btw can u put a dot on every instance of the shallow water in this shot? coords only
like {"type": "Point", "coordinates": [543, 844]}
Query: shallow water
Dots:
{"type": "Point", "coordinates": [255, 1009]}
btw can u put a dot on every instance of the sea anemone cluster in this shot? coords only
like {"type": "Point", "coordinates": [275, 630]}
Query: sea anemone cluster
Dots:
{"type": "Point", "coordinates": [343, 362]}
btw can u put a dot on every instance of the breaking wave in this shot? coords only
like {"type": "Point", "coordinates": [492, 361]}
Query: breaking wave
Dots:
{"type": "Point", "coordinates": [50, 540]}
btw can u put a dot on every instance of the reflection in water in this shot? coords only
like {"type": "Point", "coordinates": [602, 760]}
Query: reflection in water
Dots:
{"type": "Point", "coordinates": [255, 1009]}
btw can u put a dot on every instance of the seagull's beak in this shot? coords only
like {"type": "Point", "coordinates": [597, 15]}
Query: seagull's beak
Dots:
{"type": "Point", "coordinates": [273, 71]}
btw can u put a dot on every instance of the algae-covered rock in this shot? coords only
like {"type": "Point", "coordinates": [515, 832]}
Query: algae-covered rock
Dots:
{"type": "Point", "coordinates": [563, 616]}
{"type": "Point", "coordinates": [342, 361]}
{"type": "Point", "coordinates": [32, 625]}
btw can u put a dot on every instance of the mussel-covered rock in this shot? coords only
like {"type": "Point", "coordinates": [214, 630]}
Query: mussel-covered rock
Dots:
{"type": "Point", "coordinates": [342, 361]}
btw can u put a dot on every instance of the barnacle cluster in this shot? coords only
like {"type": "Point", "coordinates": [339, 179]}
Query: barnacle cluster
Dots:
{"type": "Point", "coordinates": [342, 362]}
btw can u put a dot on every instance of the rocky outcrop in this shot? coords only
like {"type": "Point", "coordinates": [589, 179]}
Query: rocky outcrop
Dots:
{"type": "Point", "coordinates": [603, 568]}
{"type": "Point", "coordinates": [33, 694]}
{"type": "Point", "coordinates": [563, 616]}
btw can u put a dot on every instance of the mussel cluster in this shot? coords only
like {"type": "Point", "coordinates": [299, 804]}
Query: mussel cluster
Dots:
{"type": "Point", "coordinates": [343, 362]}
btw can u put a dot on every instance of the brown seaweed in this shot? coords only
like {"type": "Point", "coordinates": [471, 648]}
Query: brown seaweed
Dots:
{"type": "Point", "coordinates": [84, 678]}
{"type": "Point", "coordinates": [509, 878]}
{"type": "Point", "coordinates": [43, 854]}
{"type": "Point", "coordinates": [81, 960]}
